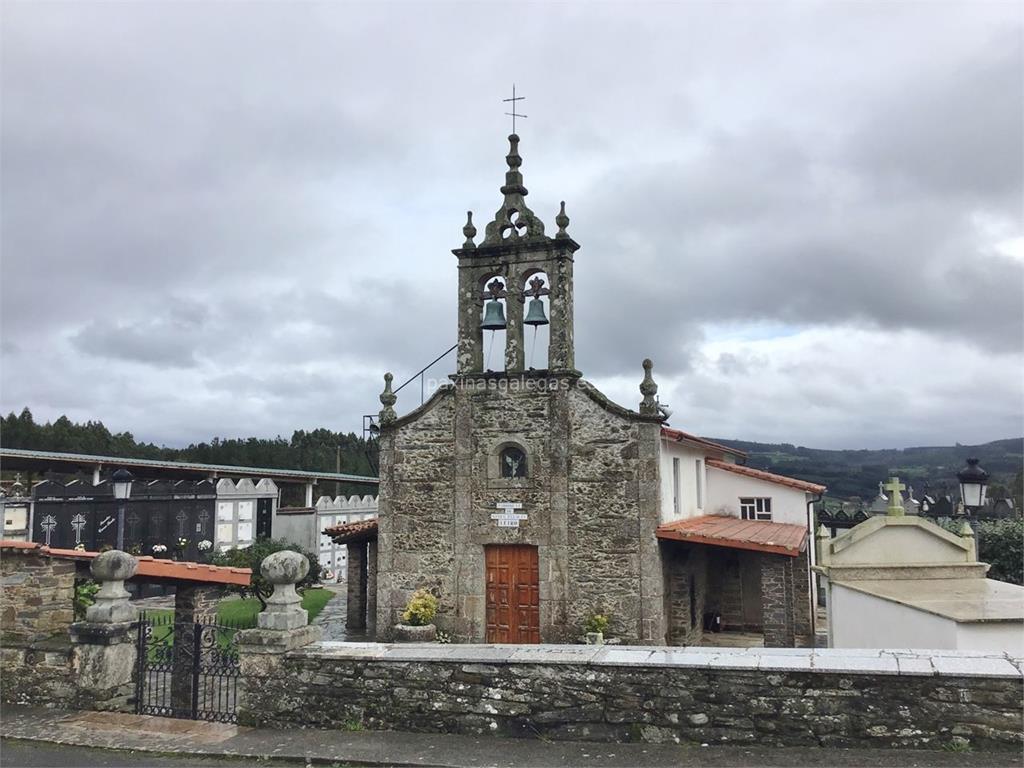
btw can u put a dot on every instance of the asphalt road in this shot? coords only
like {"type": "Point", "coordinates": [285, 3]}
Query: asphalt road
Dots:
{"type": "Point", "coordinates": [35, 754]}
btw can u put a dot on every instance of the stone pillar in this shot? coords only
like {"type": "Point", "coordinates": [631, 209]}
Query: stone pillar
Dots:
{"type": "Point", "coordinates": [104, 653]}
{"type": "Point", "coordinates": [282, 627]}
{"type": "Point", "coordinates": [802, 626]}
{"type": "Point", "coordinates": [356, 587]}
{"type": "Point", "coordinates": [371, 590]}
{"type": "Point", "coordinates": [192, 603]}
{"type": "Point", "coordinates": [561, 346]}
{"type": "Point", "coordinates": [514, 353]}
{"type": "Point", "coordinates": [777, 606]}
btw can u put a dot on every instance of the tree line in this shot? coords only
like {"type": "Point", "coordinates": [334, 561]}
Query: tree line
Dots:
{"type": "Point", "coordinates": [320, 450]}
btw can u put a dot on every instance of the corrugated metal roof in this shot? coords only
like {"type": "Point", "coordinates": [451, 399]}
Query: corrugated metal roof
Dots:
{"type": "Point", "coordinates": [40, 459]}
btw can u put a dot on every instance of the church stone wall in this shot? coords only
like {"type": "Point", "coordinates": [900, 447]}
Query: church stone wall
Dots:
{"type": "Point", "coordinates": [415, 511]}
{"type": "Point", "coordinates": [590, 496]}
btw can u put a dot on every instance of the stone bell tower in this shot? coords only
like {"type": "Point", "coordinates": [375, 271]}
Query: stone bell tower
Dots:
{"type": "Point", "coordinates": [516, 251]}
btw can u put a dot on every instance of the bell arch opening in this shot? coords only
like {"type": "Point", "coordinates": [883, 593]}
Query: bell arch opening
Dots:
{"type": "Point", "coordinates": [494, 321]}
{"type": "Point", "coordinates": [535, 290]}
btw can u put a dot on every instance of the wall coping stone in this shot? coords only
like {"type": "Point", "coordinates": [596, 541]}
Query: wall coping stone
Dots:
{"type": "Point", "coordinates": [900, 661]}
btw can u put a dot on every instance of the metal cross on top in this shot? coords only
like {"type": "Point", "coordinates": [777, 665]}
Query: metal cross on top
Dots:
{"type": "Point", "coordinates": [894, 486]}
{"type": "Point", "coordinates": [513, 114]}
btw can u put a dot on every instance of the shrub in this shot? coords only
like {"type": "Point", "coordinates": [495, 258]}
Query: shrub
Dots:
{"type": "Point", "coordinates": [85, 595]}
{"type": "Point", "coordinates": [1000, 543]}
{"type": "Point", "coordinates": [253, 555]}
{"type": "Point", "coordinates": [421, 608]}
{"type": "Point", "coordinates": [598, 623]}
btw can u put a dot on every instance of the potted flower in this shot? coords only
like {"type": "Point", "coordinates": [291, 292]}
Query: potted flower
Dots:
{"type": "Point", "coordinates": [180, 545]}
{"type": "Point", "coordinates": [596, 626]}
{"type": "Point", "coordinates": [416, 626]}
{"type": "Point", "coordinates": [159, 549]}
{"type": "Point", "coordinates": [204, 548]}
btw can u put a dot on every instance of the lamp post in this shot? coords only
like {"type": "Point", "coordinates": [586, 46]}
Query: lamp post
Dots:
{"type": "Point", "coordinates": [973, 486]}
{"type": "Point", "coordinates": [122, 481]}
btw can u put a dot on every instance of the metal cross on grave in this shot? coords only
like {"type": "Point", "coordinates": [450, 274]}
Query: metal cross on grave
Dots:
{"type": "Point", "coordinates": [182, 518]}
{"type": "Point", "coordinates": [894, 486]}
{"type": "Point", "coordinates": [78, 523]}
{"type": "Point", "coordinates": [48, 524]}
{"type": "Point", "coordinates": [133, 526]}
{"type": "Point", "coordinates": [204, 516]}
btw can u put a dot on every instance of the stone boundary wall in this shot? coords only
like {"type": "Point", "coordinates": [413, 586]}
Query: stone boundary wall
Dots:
{"type": "Point", "coordinates": [782, 697]}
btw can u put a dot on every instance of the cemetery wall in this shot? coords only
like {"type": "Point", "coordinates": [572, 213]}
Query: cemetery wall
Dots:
{"type": "Point", "coordinates": [780, 697]}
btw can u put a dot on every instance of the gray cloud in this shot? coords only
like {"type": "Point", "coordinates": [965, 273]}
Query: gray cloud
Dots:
{"type": "Point", "coordinates": [232, 219]}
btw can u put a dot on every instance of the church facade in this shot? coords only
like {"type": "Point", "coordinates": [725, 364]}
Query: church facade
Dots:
{"type": "Point", "coordinates": [528, 502]}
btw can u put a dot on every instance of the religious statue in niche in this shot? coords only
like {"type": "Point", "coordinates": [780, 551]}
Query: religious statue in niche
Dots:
{"type": "Point", "coordinates": [513, 462]}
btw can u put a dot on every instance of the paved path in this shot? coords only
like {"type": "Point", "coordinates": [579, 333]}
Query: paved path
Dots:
{"type": "Point", "coordinates": [332, 618]}
{"type": "Point", "coordinates": [390, 748]}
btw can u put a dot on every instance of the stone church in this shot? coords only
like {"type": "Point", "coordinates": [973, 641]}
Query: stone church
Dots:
{"type": "Point", "coordinates": [527, 501]}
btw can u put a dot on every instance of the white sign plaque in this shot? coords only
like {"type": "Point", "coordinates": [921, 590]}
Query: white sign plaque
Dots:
{"type": "Point", "coordinates": [506, 518]}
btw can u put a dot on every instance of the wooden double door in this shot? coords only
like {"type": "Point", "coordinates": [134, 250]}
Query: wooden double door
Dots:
{"type": "Point", "coordinates": [513, 594]}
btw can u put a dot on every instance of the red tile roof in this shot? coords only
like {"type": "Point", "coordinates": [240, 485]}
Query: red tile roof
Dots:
{"type": "Point", "coordinates": [769, 477]}
{"type": "Point", "coordinates": [685, 437]}
{"type": "Point", "coordinates": [731, 532]}
{"type": "Point", "coordinates": [346, 533]}
{"type": "Point", "coordinates": [149, 567]}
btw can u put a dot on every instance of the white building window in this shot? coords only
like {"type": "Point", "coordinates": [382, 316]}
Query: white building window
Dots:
{"type": "Point", "coordinates": [675, 486]}
{"type": "Point", "coordinates": [700, 484]}
{"type": "Point", "coordinates": [756, 508]}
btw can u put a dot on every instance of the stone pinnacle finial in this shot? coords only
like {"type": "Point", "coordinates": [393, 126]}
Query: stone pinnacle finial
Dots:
{"type": "Point", "coordinates": [469, 231]}
{"type": "Point", "coordinates": [388, 400]}
{"type": "Point", "coordinates": [514, 220]}
{"type": "Point", "coordinates": [649, 405]}
{"type": "Point", "coordinates": [562, 221]}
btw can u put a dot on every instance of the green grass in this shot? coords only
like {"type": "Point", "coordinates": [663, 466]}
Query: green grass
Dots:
{"type": "Point", "coordinates": [235, 611]}
{"type": "Point", "coordinates": [242, 612]}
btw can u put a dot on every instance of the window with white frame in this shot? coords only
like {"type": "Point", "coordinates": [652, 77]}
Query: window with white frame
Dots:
{"type": "Point", "coordinates": [756, 508]}
{"type": "Point", "coordinates": [700, 484]}
{"type": "Point", "coordinates": [675, 486]}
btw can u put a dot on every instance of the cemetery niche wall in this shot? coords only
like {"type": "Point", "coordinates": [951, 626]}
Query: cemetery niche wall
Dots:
{"type": "Point", "coordinates": [182, 519]}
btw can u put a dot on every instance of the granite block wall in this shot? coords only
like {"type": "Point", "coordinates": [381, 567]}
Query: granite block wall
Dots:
{"type": "Point", "coordinates": [729, 696]}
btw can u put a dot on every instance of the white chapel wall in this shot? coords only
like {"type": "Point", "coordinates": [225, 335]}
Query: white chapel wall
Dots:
{"type": "Point", "coordinates": [725, 489]}
{"type": "Point", "coordinates": [688, 458]}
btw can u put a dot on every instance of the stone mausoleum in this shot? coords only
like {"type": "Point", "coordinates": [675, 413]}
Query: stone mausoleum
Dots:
{"type": "Point", "coordinates": [527, 501]}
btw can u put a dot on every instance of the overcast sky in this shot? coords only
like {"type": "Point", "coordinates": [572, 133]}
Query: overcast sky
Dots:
{"type": "Point", "coordinates": [230, 218]}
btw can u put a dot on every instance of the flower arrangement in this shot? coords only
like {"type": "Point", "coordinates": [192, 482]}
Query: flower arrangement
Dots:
{"type": "Point", "coordinates": [181, 544]}
{"type": "Point", "coordinates": [159, 549]}
{"type": "Point", "coordinates": [443, 637]}
{"type": "Point", "coordinates": [79, 547]}
{"type": "Point", "coordinates": [421, 608]}
{"type": "Point", "coordinates": [205, 545]}
{"type": "Point", "coordinates": [597, 623]}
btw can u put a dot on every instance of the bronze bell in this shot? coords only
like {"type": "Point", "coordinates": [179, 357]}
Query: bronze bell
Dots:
{"type": "Point", "coordinates": [494, 316]}
{"type": "Point", "coordinates": [535, 314]}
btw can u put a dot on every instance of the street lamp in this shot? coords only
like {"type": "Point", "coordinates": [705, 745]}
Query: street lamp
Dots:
{"type": "Point", "coordinates": [973, 485]}
{"type": "Point", "coordinates": [122, 482]}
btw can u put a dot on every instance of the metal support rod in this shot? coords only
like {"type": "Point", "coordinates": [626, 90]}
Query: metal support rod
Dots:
{"type": "Point", "coordinates": [121, 504]}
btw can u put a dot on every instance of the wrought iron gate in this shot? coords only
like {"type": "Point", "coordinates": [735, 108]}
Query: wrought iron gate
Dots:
{"type": "Point", "coordinates": [187, 670]}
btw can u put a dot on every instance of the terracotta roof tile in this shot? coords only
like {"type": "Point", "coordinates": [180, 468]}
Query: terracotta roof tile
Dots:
{"type": "Point", "coordinates": [769, 477]}
{"type": "Point", "coordinates": [149, 567]}
{"type": "Point", "coordinates": [734, 533]}
{"type": "Point", "coordinates": [360, 530]}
